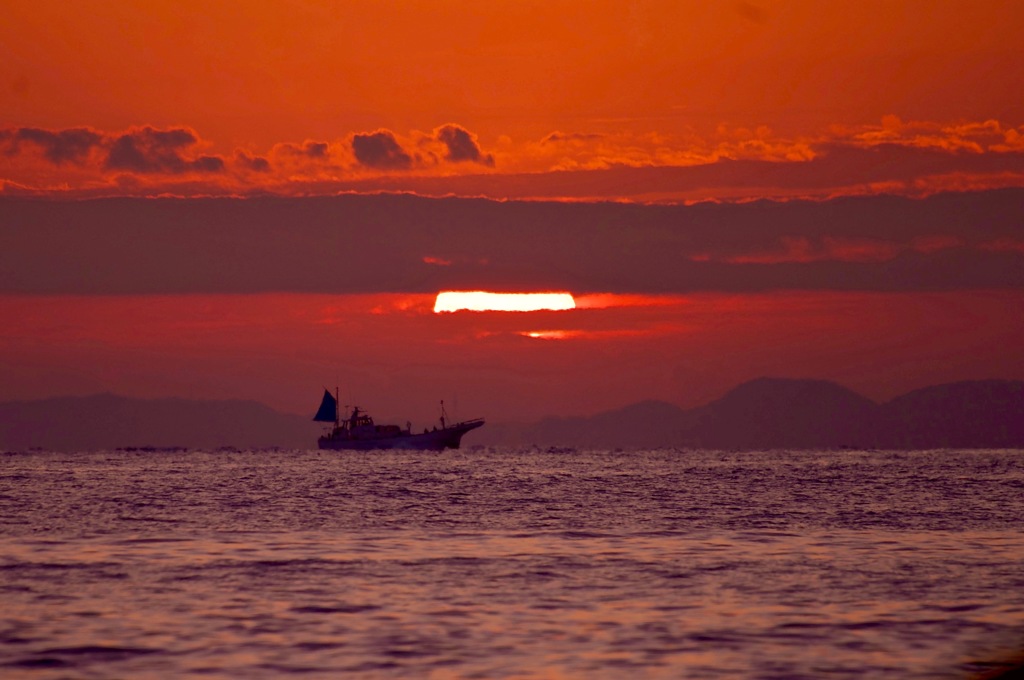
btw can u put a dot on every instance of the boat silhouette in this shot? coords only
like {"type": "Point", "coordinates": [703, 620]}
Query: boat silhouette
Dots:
{"type": "Point", "coordinates": [358, 432]}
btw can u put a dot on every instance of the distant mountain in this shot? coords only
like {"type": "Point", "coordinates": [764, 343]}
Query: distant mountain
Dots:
{"type": "Point", "coordinates": [761, 414]}
{"type": "Point", "coordinates": [981, 413]}
{"type": "Point", "coordinates": [647, 424]}
{"type": "Point", "coordinates": [786, 413]}
{"type": "Point", "coordinates": [108, 421]}
{"type": "Point", "coordinates": [779, 412]}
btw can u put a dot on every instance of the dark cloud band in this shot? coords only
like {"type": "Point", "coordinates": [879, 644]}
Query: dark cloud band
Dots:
{"type": "Point", "coordinates": [879, 243]}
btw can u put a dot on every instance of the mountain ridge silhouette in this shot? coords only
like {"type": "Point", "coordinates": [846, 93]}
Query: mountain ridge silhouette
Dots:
{"type": "Point", "coordinates": [768, 412]}
{"type": "Point", "coordinates": [763, 413]}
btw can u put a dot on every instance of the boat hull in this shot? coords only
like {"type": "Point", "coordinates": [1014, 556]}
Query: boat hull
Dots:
{"type": "Point", "coordinates": [436, 440]}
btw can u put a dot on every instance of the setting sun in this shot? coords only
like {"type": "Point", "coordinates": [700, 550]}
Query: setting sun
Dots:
{"type": "Point", "coordinates": [481, 301]}
{"type": "Point", "coordinates": [548, 335]}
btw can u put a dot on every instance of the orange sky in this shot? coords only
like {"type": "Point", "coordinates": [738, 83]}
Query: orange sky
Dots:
{"type": "Point", "coordinates": [630, 111]}
{"type": "Point", "coordinates": [287, 97]}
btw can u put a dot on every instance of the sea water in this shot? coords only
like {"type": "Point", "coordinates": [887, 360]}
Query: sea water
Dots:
{"type": "Point", "coordinates": [495, 563]}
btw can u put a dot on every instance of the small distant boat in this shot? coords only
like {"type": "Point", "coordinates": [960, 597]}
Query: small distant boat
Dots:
{"type": "Point", "coordinates": [358, 432]}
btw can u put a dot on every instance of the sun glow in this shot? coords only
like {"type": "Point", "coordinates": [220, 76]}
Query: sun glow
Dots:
{"type": "Point", "coordinates": [548, 335]}
{"type": "Point", "coordinates": [481, 301]}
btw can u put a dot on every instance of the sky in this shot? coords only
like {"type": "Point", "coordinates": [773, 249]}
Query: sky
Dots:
{"type": "Point", "coordinates": [257, 200]}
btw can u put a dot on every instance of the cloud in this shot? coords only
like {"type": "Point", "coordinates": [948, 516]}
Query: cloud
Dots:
{"type": "Point", "coordinates": [835, 170]}
{"type": "Point", "coordinates": [583, 150]}
{"type": "Point", "coordinates": [557, 137]}
{"type": "Point", "coordinates": [971, 136]}
{"type": "Point", "coordinates": [302, 166]}
{"type": "Point", "coordinates": [1013, 140]}
{"type": "Point", "coordinates": [149, 150]}
{"type": "Point", "coordinates": [144, 150]}
{"type": "Point", "coordinates": [308, 149]}
{"type": "Point", "coordinates": [316, 149]}
{"type": "Point", "coordinates": [73, 144]}
{"type": "Point", "coordinates": [462, 145]}
{"type": "Point", "coordinates": [381, 150]}
{"type": "Point", "coordinates": [250, 162]}
{"type": "Point", "coordinates": [914, 158]}
{"type": "Point", "coordinates": [448, 144]}
{"type": "Point", "coordinates": [802, 249]}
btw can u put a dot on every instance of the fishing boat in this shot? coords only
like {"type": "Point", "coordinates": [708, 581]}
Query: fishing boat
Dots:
{"type": "Point", "coordinates": [358, 432]}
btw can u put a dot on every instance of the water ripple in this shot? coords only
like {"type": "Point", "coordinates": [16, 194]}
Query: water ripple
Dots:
{"type": "Point", "coordinates": [505, 563]}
